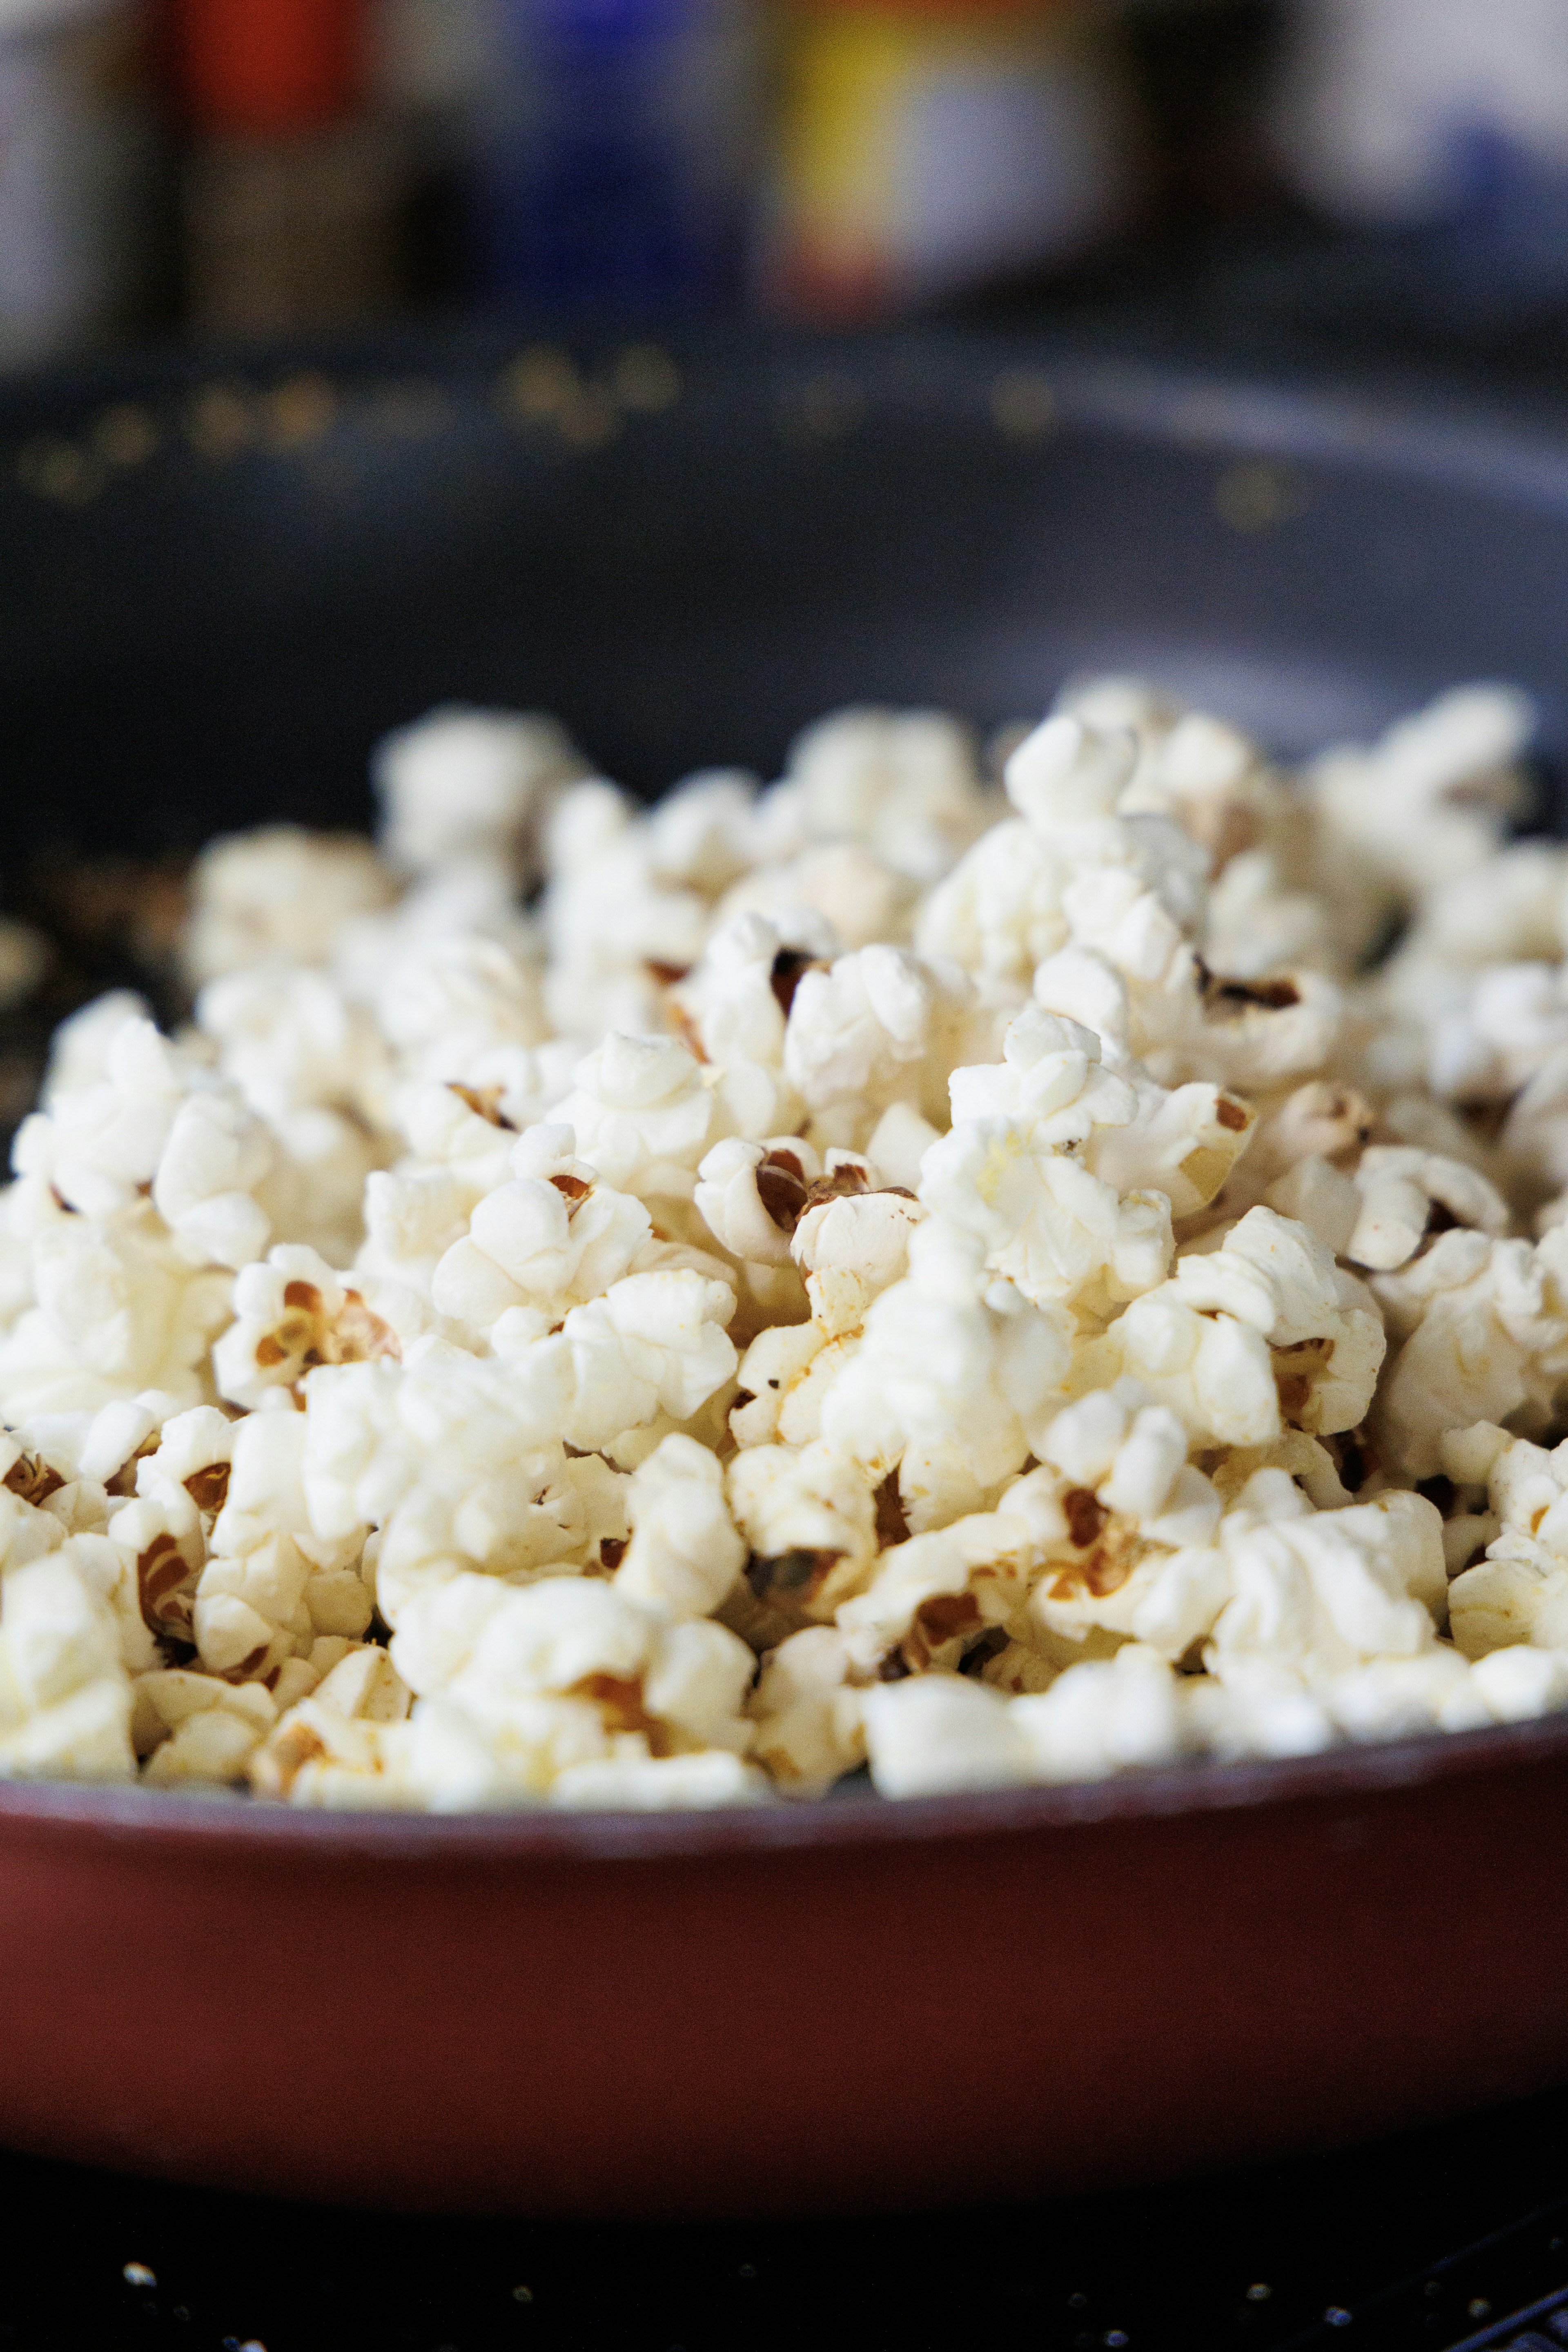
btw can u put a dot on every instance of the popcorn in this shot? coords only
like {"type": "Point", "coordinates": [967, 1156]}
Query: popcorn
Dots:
{"type": "Point", "coordinates": [1406, 1194]}
{"type": "Point", "coordinates": [904, 782]}
{"type": "Point", "coordinates": [641, 1115]}
{"type": "Point", "coordinates": [808, 1718]}
{"type": "Point", "coordinates": [153, 1123]}
{"type": "Point", "coordinates": [1483, 1327]}
{"type": "Point", "coordinates": [465, 783]}
{"type": "Point", "coordinates": [655, 1341]}
{"type": "Point", "coordinates": [290, 1314]}
{"type": "Point", "coordinates": [855, 1274]}
{"type": "Point", "coordinates": [551, 1239]}
{"type": "Point", "coordinates": [65, 1696]}
{"type": "Point", "coordinates": [808, 1516]}
{"type": "Point", "coordinates": [949, 1356]}
{"type": "Point", "coordinates": [1243, 1340]}
{"type": "Point", "coordinates": [684, 1553]}
{"type": "Point", "coordinates": [277, 895]}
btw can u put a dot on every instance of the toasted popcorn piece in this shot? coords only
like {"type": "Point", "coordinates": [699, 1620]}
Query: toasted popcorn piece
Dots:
{"type": "Point", "coordinates": [250, 1614]}
{"type": "Point", "coordinates": [568, 1671]}
{"type": "Point", "coordinates": [291, 1314]}
{"type": "Point", "coordinates": [808, 1516]}
{"type": "Point", "coordinates": [329, 1744]}
{"type": "Point", "coordinates": [194, 1455]}
{"type": "Point", "coordinates": [684, 1553]}
{"type": "Point", "coordinates": [733, 1006]}
{"type": "Point", "coordinates": [162, 1540]}
{"type": "Point", "coordinates": [751, 1196]}
{"type": "Point", "coordinates": [935, 1596]}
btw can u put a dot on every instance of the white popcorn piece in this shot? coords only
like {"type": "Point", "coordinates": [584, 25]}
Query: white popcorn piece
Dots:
{"type": "Point", "coordinates": [641, 1115]}
{"type": "Point", "coordinates": [277, 895]}
{"type": "Point", "coordinates": [904, 782]}
{"type": "Point", "coordinates": [851, 1246]}
{"type": "Point", "coordinates": [660, 1783]}
{"type": "Point", "coordinates": [808, 1716]}
{"type": "Point", "coordinates": [949, 1356]}
{"type": "Point", "coordinates": [938, 1732]}
{"type": "Point", "coordinates": [463, 784]}
{"type": "Point", "coordinates": [551, 1239]}
{"type": "Point", "coordinates": [1244, 1341]}
{"type": "Point", "coordinates": [1324, 1591]}
{"type": "Point", "coordinates": [684, 1553]}
{"type": "Point", "coordinates": [1482, 1328]}
{"type": "Point", "coordinates": [1104, 1715]}
{"type": "Point", "coordinates": [1400, 1190]}
{"type": "Point", "coordinates": [118, 1312]}
{"type": "Point", "coordinates": [154, 1122]}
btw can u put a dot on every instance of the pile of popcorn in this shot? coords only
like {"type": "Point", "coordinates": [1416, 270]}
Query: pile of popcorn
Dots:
{"type": "Point", "coordinates": [990, 1281]}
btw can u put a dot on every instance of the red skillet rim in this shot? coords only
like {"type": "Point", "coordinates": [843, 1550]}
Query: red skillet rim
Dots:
{"type": "Point", "coordinates": [215, 1825]}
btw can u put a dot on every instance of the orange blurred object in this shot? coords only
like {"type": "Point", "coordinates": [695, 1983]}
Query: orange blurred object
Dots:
{"type": "Point", "coordinates": [267, 66]}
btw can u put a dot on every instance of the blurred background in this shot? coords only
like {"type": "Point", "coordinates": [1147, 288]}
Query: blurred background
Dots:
{"type": "Point", "coordinates": [1397, 168]}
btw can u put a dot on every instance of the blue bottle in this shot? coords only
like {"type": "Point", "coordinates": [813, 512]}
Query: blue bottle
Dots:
{"type": "Point", "coordinates": [615, 155]}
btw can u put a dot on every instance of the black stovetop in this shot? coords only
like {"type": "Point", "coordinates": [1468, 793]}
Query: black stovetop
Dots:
{"type": "Point", "coordinates": [1456, 2235]}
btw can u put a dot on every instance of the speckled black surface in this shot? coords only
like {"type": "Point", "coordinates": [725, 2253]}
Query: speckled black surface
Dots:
{"type": "Point", "coordinates": [1402, 2237]}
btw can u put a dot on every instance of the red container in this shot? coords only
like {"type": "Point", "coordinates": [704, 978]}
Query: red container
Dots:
{"type": "Point", "coordinates": [841, 2005]}
{"type": "Point", "coordinates": [269, 65]}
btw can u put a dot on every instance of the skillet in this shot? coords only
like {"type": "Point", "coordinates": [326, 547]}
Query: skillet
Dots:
{"type": "Point", "coordinates": [219, 580]}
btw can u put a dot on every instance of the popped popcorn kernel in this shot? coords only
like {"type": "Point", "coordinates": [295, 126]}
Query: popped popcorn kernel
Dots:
{"type": "Point", "coordinates": [981, 1285]}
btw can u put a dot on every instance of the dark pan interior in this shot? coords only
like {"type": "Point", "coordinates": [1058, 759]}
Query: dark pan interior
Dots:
{"type": "Point", "coordinates": [220, 581]}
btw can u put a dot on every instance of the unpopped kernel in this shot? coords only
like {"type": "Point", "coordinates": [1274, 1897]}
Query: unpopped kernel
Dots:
{"type": "Point", "coordinates": [987, 1279]}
